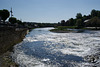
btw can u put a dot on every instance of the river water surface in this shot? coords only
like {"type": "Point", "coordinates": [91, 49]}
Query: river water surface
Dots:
{"type": "Point", "coordinates": [42, 48]}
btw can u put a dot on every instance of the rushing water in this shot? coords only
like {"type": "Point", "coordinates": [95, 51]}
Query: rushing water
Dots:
{"type": "Point", "coordinates": [42, 48]}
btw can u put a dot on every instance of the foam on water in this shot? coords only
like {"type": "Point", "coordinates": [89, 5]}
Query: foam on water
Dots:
{"type": "Point", "coordinates": [42, 48]}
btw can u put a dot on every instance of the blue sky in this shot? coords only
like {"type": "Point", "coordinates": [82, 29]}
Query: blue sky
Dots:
{"type": "Point", "coordinates": [51, 11]}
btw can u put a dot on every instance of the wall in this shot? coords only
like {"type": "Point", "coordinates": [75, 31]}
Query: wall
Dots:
{"type": "Point", "coordinates": [10, 37]}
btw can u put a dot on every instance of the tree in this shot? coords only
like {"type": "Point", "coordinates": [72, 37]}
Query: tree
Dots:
{"type": "Point", "coordinates": [85, 18]}
{"type": "Point", "coordinates": [1, 12]}
{"type": "Point", "coordinates": [4, 14]}
{"type": "Point", "coordinates": [79, 16]}
{"type": "Point", "coordinates": [63, 23]}
{"type": "Point", "coordinates": [71, 22]}
{"type": "Point", "coordinates": [93, 13]}
{"type": "Point", "coordinates": [19, 21]}
{"type": "Point", "coordinates": [94, 22]}
{"type": "Point", "coordinates": [12, 20]}
{"type": "Point", "coordinates": [98, 14]}
{"type": "Point", "coordinates": [67, 23]}
{"type": "Point", "coordinates": [89, 16]}
{"type": "Point", "coordinates": [59, 23]}
{"type": "Point", "coordinates": [0, 15]}
{"type": "Point", "coordinates": [79, 23]}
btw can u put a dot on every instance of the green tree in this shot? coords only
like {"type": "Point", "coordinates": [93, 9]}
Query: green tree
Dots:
{"type": "Point", "coordinates": [1, 12]}
{"type": "Point", "coordinates": [71, 22]}
{"type": "Point", "coordinates": [85, 18]}
{"type": "Point", "coordinates": [63, 23]}
{"type": "Point", "coordinates": [94, 22]}
{"type": "Point", "coordinates": [93, 13]}
{"type": "Point", "coordinates": [79, 16]}
{"type": "Point", "coordinates": [19, 21]}
{"type": "Point", "coordinates": [98, 14]}
{"type": "Point", "coordinates": [4, 14]}
{"type": "Point", "coordinates": [79, 23]}
{"type": "Point", "coordinates": [1, 15]}
{"type": "Point", "coordinates": [12, 20]}
{"type": "Point", "coordinates": [59, 23]}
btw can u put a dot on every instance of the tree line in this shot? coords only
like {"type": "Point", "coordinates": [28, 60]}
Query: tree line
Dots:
{"type": "Point", "coordinates": [4, 14]}
{"type": "Point", "coordinates": [91, 20]}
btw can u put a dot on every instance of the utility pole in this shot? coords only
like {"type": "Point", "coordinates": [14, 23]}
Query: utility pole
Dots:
{"type": "Point", "coordinates": [11, 12]}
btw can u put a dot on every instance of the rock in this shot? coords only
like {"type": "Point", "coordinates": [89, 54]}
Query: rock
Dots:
{"type": "Point", "coordinates": [92, 58]}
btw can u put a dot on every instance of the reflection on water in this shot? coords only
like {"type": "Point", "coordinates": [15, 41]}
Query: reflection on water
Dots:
{"type": "Point", "coordinates": [42, 48]}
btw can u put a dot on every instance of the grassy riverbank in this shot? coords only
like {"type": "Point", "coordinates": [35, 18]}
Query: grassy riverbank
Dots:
{"type": "Point", "coordinates": [64, 29]}
{"type": "Point", "coordinates": [8, 38]}
{"type": "Point", "coordinates": [68, 29]}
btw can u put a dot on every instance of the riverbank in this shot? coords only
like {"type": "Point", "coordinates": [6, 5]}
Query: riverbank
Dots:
{"type": "Point", "coordinates": [72, 29]}
{"type": "Point", "coordinates": [67, 29]}
{"type": "Point", "coordinates": [6, 60]}
{"type": "Point", "coordinates": [8, 38]}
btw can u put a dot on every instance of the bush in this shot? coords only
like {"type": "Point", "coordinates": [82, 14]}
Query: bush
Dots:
{"type": "Point", "coordinates": [12, 20]}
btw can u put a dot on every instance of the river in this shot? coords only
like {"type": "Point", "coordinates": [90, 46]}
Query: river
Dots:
{"type": "Point", "coordinates": [42, 48]}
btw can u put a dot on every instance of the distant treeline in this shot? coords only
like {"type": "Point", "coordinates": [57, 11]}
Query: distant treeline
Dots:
{"type": "Point", "coordinates": [39, 25]}
{"type": "Point", "coordinates": [13, 21]}
{"type": "Point", "coordinates": [91, 20]}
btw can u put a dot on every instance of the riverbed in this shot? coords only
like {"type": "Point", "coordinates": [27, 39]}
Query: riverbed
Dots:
{"type": "Point", "coordinates": [42, 48]}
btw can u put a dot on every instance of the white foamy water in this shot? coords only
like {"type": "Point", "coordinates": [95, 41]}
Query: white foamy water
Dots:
{"type": "Point", "coordinates": [42, 48]}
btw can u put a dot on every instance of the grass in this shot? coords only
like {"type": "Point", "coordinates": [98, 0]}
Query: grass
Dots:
{"type": "Point", "coordinates": [66, 27]}
{"type": "Point", "coordinates": [63, 28]}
